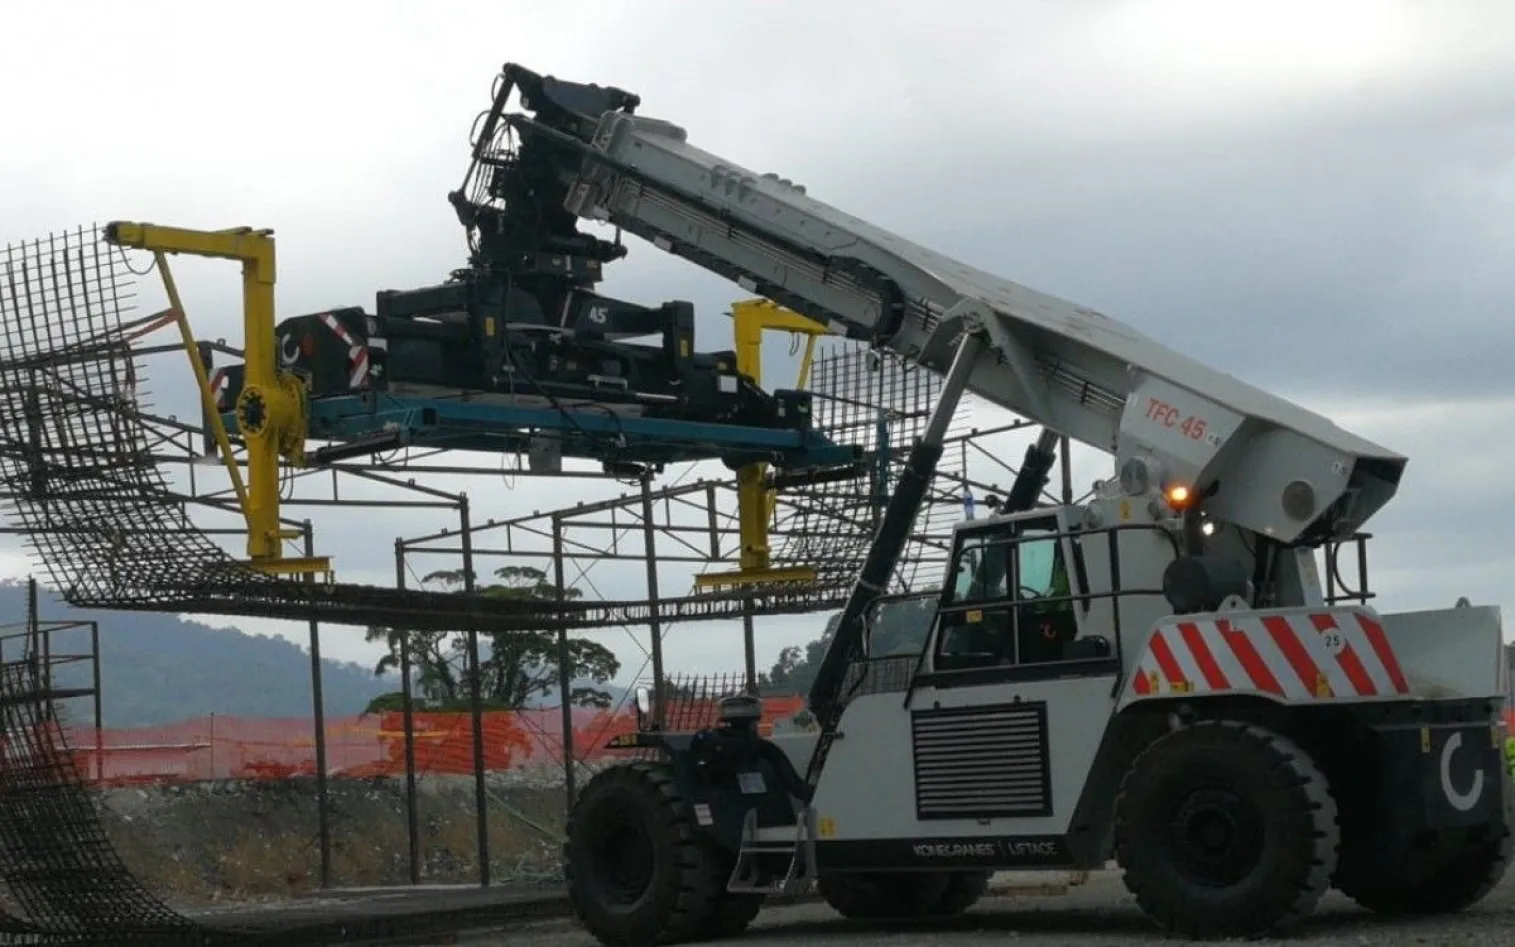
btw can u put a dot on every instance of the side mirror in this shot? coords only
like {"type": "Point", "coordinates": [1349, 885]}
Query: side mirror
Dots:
{"type": "Point", "coordinates": [644, 706]}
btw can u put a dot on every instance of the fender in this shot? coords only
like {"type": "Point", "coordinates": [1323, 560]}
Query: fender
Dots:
{"type": "Point", "coordinates": [724, 772]}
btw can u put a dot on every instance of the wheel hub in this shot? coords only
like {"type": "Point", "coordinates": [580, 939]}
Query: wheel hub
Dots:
{"type": "Point", "coordinates": [1216, 837]}
{"type": "Point", "coordinates": [623, 859]}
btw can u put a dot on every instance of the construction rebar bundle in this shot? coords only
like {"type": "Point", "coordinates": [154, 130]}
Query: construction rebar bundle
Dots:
{"type": "Point", "coordinates": [76, 465]}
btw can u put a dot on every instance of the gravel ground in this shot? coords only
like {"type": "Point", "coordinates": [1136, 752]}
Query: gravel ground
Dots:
{"type": "Point", "coordinates": [1098, 912]}
{"type": "Point", "coordinates": [251, 840]}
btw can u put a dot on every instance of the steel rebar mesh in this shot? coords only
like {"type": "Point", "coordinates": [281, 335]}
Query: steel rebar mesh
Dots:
{"type": "Point", "coordinates": [55, 859]}
{"type": "Point", "coordinates": [692, 701]}
{"type": "Point", "coordinates": [78, 472]}
{"type": "Point", "coordinates": [97, 509]}
{"type": "Point", "coordinates": [880, 403]}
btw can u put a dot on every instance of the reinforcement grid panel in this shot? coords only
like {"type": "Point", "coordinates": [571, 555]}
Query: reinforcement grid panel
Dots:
{"type": "Point", "coordinates": [872, 399]}
{"type": "Point", "coordinates": [59, 869]}
{"type": "Point", "coordinates": [76, 465]}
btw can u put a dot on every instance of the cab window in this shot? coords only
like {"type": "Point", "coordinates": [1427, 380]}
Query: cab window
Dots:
{"type": "Point", "coordinates": [900, 626]}
{"type": "Point", "coordinates": [982, 569]}
{"type": "Point", "coordinates": [1036, 563]}
{"type": "Point", "coordinates": [1010, 599]}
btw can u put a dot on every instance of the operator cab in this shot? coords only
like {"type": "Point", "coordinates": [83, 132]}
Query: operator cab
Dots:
{"type": "Point", "coordinates": [1016, 595]}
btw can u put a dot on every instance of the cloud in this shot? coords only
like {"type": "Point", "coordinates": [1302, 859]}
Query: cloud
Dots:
{"type": "Point", "coordinates": [1316, 200]}
{"type": "Point", "coordinates": [1445, 534]}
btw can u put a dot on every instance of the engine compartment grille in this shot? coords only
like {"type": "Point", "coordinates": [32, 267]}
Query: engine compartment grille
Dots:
{"type": "Point", "coordinates": [982, 762]}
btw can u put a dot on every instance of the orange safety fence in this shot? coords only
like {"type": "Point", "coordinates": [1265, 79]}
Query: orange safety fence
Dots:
{"type": "Point", "coordinates": [216, 746]}
{"type": "Point", "coordinates": [372, 745]}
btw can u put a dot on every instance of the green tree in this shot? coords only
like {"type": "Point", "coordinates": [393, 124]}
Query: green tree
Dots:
{"type": "Point", "coordinates": [899, 627]}
{"type": "Point", "coordinates": [514, 667]}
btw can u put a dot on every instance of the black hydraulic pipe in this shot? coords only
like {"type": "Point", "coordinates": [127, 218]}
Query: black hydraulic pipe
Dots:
{"type": "Point", "coordinates": [889, 540]}
{"type": "Point", "coordinates": [1034, 475]}
{"type": "Point", "coordinates": [359, 447]}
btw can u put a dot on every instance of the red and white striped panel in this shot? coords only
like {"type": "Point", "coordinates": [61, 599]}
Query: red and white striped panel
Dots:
{"type": "Point", "coordinates": [357, 355]}
{"type": "Point", "coordinates": [1333, 653]}
{"type": "Point", "coordinates": [219, 384]}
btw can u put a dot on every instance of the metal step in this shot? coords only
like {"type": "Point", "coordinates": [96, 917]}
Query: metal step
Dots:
{"type": "Point", "coordinates": [748, 877]}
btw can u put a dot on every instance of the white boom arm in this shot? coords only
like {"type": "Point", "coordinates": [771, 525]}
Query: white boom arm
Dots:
{"type": "Point", "coordinates": [1266, 464]}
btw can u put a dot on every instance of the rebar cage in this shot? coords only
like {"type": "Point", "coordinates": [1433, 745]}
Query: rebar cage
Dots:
{"type": "Point", "coordinates": [77, 468]}
{"type": "Point", "coordinates": [878, 401]}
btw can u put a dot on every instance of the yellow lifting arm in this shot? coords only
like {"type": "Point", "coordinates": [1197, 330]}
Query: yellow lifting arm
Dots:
{"type": "Point", "coordinates": [755, 502]}
{"type": "Point", "coordinates": [273, 405]}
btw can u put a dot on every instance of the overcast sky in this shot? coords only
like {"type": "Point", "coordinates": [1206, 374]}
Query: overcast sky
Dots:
{"type": "Point", "coordinates": [1317, 197]}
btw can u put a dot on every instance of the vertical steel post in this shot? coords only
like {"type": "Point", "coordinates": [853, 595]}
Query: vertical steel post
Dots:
{"type": "Point", "coordinates": [318, 722]}
{"type": "Point", "coordinates": [654, 609]}
{"type": "Point", "coordinates": [408, 715]}
{"type": "Point", "coordinates": [33, 651]}
{"type": "Point", "coordinates": [45, 635]}
{"type": "Point", "coordinates": [749, 646]}
{"type": "Point", "coordinates": [565, 670]}
{"type": "Point", "coordinates": [94, 668]}
{"type": "Point", "coordinates": [475, 703]}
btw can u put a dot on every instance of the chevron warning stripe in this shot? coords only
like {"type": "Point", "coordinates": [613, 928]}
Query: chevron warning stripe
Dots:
{"type": "Point", "coordinates": [357, 354]}
{"type": "Point", "coordinates": [1302, 656]}
{"type": "Point", "coordinates": [218, 387]}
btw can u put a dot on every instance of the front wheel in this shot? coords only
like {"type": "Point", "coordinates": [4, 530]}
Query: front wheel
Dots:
{"type": "Point", "coordinates": [638, 873]}
{"type": "Point", "coordinates": [1226, 829]}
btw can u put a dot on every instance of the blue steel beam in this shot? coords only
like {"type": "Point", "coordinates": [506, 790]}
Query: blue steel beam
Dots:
{"type": "Point", "coordinates": [470, 425]}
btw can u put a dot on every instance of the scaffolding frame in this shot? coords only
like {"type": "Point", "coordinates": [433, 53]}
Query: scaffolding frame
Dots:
{"type": "Point", "coordinates": [827, 524]}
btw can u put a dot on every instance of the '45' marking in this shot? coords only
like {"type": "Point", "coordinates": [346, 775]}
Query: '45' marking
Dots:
{"type": "Point", "coordinates": [1191, 426]}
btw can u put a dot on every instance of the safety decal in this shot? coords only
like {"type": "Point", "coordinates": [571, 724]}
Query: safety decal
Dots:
{"type": "Point", "coordinates": [1300, 657]}
{"type": "Point", "coordinates": [1462, 798]}
{"type": "Point", "coordinates": [357, 355]}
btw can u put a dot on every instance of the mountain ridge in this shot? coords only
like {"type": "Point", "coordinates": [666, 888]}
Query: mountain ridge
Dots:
{"type": "Point", "coordinates": [160, 668]}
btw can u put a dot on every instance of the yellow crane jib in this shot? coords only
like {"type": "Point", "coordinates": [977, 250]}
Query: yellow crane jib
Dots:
{"type": "Point", "coordinates": [755, 500]}
{"type": "Point", "coordinates": [273, 405]}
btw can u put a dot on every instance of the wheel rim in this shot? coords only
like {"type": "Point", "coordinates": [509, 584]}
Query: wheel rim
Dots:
{"type": "Point", "coordinates": [1216, 837]}
{"type": "Point", "coordinates": [622, 857]}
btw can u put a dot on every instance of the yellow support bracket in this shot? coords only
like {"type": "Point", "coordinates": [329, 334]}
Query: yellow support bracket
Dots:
{"type": "Point", "coordinates": [755, 502]}
{"type": "Point", "coordinates": [273, 406]}
{"type": "Point", "coordinates": [741, 578]}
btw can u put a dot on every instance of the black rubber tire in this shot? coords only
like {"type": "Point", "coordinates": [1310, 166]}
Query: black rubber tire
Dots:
{"type": "Point", "coordinates": [1288, 824]}
{"type": "Point", "coordinates": [872, 896]}
{"type": "Point", "coordinates": [733, 913]}
{"type": "Point", "coordinates": [963, 891]}
{"type": "Point", "coordinates": [1442, 883]}
{"type": "Point", "coordinates": [684, 898]}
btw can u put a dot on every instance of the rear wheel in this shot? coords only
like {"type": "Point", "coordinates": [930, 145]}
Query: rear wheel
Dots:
{"type": "Point", "coordinates": [638, 872]}
{"type": "Point", "coordinates": [1225, 829]}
